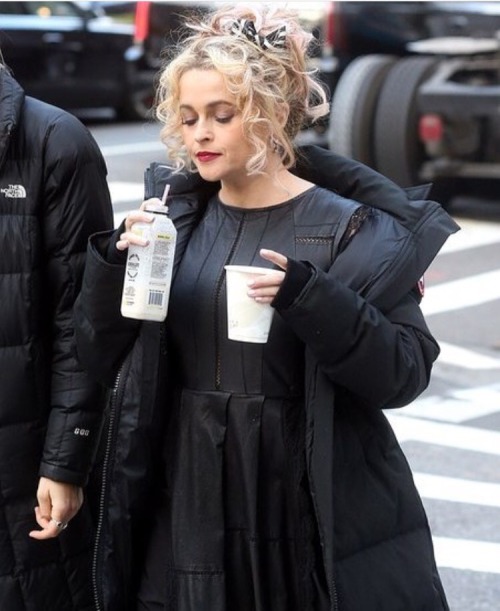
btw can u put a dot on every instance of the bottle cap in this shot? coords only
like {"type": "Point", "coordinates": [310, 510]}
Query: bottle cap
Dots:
{"type": "Point", "coordinates": [161, 207]}
{"type": "Point", "coordinates": [158, 208]}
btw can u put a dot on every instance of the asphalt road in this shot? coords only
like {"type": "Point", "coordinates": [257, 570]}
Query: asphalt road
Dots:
{"type": "Point", "coordinates": [451, 434]}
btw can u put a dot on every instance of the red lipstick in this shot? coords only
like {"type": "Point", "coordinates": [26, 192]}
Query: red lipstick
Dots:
{"type": "Point", "coordinates": [206, 156]}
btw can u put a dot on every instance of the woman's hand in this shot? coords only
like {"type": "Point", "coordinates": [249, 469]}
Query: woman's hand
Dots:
{"type": "Point", "coordinates": [137, 216]}
{"type": "Point", "coordinates": [265, 288]}
{"type": "Point", "coordinates": [58, 503]}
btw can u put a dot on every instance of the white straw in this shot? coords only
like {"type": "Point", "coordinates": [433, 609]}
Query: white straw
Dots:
{"type": "Point", "coordinates": [165, 195]}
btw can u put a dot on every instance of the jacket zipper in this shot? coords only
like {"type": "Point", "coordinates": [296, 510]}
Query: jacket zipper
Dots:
{"type": "Point", "coordinates": [218, 291]}
{"type": "Point", "coordinates": [334, 595]}
{"type": "Point", "coordinates": [113, 401]}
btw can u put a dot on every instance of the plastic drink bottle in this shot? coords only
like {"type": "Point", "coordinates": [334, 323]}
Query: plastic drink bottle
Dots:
{"type": "Point", "coordinates": [148, 273]}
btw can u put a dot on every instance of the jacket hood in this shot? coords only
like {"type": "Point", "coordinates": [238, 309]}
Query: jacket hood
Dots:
{"type": "Point", "coordinates": [11, 101]}
{"type": "Point", "coordinates": [426, 223]}
{"type": "Point", "coordinates": [354, 180]}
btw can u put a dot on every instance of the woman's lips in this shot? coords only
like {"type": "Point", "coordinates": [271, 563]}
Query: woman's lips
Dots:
{"type": "Point", "coordinates": [206, 156]}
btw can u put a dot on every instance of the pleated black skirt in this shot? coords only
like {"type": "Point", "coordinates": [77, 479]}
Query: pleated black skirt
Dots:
{"type": "Point", "coordinates": [234, 527]}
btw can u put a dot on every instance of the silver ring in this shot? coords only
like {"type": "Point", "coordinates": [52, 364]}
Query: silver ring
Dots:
{"type": "Point", "coordinates": [60, 525]}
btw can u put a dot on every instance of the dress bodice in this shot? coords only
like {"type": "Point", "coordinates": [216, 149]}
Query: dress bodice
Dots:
{"type": "Point", "coordinates": [197, 318]}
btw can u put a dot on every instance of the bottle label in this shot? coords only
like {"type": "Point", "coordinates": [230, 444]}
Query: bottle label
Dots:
{"type": "Point", "coordinates": [149, 271]}
{"type": "Point", "coordinates": [161, 256]}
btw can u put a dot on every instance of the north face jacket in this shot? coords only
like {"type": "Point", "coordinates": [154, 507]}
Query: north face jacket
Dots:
{"type": "Point", "coordinates": [53, 194]}
{"type": "Point", "coordinates": [359, 320]}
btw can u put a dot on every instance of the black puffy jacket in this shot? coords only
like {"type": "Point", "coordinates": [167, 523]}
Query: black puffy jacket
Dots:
{"type": "Point", "coordinates": [53, 194]}
{"type": "Point", "coordinates": [367, 347]}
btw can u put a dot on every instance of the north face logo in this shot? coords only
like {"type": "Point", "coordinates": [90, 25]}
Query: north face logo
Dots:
{"type": "Point", "coordinates": [14, 191]}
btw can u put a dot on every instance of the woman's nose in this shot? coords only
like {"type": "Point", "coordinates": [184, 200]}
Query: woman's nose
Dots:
{"type": "Point", "coordinates": [202, 133]}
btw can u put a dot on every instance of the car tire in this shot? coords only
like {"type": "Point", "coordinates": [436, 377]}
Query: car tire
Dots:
{"type": "Point", "coordinates": [350, 131]}
{"type": "Point", "coordinates": [398, 152]}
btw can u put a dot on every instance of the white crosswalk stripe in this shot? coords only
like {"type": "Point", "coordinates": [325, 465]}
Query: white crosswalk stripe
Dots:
{"type": "Point", "coordinates": [463, 293]}
{"type": "Point", "coordinates": [479, 556]}
{"type": "Point", "coordinates": [462, 554]}
{"type": "Point", "coordinates": [458, 490]}
{"type": "Point", "coordinates": [465, 358]}
{"type": "Point", "coordinates": [458, 405]}
{"type": "Point", "coordinates": [440, 420]}
{"type": "Point", "coordinates": [122, 149]}
{"type": "Point", "coordinates": [132, 192]}
{"type": "Point", "coordinates": [472, 234]}
{"type": "Point", "coordinates": [449, 435]}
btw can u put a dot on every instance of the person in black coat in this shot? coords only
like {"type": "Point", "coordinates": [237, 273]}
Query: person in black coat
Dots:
{"type": "Point", "coordinates": [263, 476]}
{"type": "Point", "coordinates": [53, 195]}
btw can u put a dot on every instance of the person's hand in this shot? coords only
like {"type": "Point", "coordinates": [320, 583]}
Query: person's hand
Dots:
{"type": "Point", "coordinates": [58, 503]}
{"type": "Point", "coordinates": [137, 216]}
{"type": "Point", "coordinates": [264, 288]}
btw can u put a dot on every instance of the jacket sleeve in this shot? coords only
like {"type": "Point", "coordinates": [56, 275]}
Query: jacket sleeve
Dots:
{"type": "Point", "coordinates": [103, 335]}
{"type": "Point", "coordinates": [382, 357]}
{"type": "Point", "coordinates": [76, 203]}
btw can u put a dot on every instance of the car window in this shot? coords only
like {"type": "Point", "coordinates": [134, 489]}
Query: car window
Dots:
{"type": "Point", "coordinates": [40, 9]}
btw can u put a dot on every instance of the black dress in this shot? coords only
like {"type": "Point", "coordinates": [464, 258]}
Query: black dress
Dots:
{"type": "Point", "coordinates": [234, 528]}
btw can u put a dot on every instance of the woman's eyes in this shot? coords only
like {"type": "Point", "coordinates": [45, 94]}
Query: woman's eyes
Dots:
{"type": "Point", "coordinates": [221, 119]}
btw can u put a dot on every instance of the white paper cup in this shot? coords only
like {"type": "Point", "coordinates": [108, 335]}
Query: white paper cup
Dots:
{"type": "Point", "coordinates": [247, 320]}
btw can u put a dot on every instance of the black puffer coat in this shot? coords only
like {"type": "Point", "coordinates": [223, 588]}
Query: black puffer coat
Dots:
{"type": "Point", "coordinates": [367, 348]}
{"type": "Point", "coordinates": [53, 194]}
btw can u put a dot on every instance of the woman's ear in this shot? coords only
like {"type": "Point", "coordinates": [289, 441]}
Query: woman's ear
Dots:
{"type": "Point", "coordinates": [282, 113]}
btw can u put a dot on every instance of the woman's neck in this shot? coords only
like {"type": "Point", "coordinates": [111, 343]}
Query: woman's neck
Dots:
{"type": "Point", "coordinates": [263, 189]}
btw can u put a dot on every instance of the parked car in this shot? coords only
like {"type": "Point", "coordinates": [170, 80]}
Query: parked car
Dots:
{"type": "Point", "coordinates": [415, 90]}
{"type": "Point", "coordinates": [70, 56]}
{"type": "Point", "coordinates": [76, 56]}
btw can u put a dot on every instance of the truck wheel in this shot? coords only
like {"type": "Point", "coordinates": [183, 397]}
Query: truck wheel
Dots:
{"type": "Point", "coordinates": [398, 151]}
{"type": "Point", "coordinates": [350, 131]}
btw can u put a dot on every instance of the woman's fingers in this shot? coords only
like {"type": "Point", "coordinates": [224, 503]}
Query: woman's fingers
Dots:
{"type": "Point", "coordinates": [275, 257]}
{"type": "Point", "coordinates": [138, 216]}
{"type": "Point", "coordinates": [122, 244]}
{"type": "Point", "coordinates": [265, 288]}
{"type": "Point", "coordinates": [129, 236]}
{"type": "Point", "coordinates": [58, 503]}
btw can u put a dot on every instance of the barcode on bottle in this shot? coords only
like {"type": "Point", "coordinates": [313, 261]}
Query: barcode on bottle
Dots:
{"type": "Point", "coordinates": [156, 298]}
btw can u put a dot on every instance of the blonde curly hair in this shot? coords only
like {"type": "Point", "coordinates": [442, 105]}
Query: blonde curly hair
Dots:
{"type": "Point", "coordinates": [273, 89]}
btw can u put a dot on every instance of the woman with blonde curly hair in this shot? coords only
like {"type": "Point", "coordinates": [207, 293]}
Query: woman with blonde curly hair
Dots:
{"type": "Point", "coordinates": [275, 98]}
{"type": "Point", "coordinates": [245, 476]}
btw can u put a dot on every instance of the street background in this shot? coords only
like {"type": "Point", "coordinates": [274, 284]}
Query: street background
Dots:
{"type": "Point", "coordinates": [451, 434]}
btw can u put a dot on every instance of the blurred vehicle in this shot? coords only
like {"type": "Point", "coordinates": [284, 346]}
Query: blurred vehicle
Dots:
{"type": "Point", "coordinates": [71, 56]}
{"type": "Point", "coordinates": [86, 55]}
{"type": "Point", "coordinates": [157, 25]}
{"type": "Point", "coordinates": [415, 88]}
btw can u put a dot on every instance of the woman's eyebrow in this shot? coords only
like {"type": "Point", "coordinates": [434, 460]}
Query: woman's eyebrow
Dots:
{"type": "Point", "coordinates": [210, 105]}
